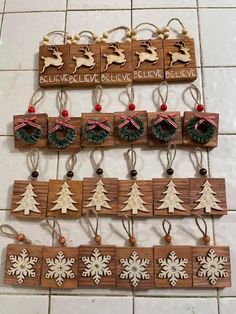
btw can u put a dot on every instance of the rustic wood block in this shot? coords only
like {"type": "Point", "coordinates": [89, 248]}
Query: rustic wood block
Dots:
{"type": "Point", "coordinates": [64, 198]}
{"type": "Point", "coordinates": [29, 199]}
{"type": "Point", "coordinates": [75, 146]}
{"type": "Point", "coordinates": [142, 140]}
{"type": "Point", "coordinates": [211, 267]}
{"type": "Point", "coordinates": [109, 142]}
{"type": "Point", "coordinates": [188, 115]}
{"type": "Point", "coordinates": [23, 265]}
{"type": "Point", "coordinates": [135, 198]}
{"type": "Point", "coordinates": [100, 194]}
{"type": "Point", "coordinates": [97, 266]}
{"type": "Point", "coordinates": [208, 196]}
{"type": "Point", "coordinates": [84, 65]}
{"type": "Point", "coordinates": [60, 267]}
{"type": "Point", "coordinates": [128, 270]}
{"type": "Point", "coordinates": [148, 62]}
{"type": "Point", "coordinates": [173, 266]}
{"type": "Point", "coordinates": [116, 63]}
{"type": "Point", "coordinates": [56, 62]}
{"type": "Point", "coordinates": [42, 120]}
{"type": "Point", "coordinates": [152, 140]}
{"type": "Point", "coordinates": [179, 70]}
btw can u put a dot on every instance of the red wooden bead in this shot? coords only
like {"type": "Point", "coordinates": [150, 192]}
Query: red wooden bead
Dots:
{"type": "Point", "coordinates": [163, 107]}
{"type": "Point", "coordinates": [132, 107]}
{"type": "Point", "coordinates": [200, 107]}
{"type": "Point", "coordinates": [98, 107]}
{"type": "Point", "coordinates": [31, 109]}
{"type": "Point", "coordinates": [65, 113]}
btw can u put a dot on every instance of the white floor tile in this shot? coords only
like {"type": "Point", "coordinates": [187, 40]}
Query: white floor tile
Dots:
{"type": "Point", "coordinates": [28, 5]}
{"type": "Point", "coordinates": [227, 305]}
{"type": "Point", "coordinates": [164, 4]}
{"type": "Point", "coordinates": [27, 304]}
{"type": "Point", "coordinates": [216, 3]}
{"type": "Point", "coordinates": [101, 4]}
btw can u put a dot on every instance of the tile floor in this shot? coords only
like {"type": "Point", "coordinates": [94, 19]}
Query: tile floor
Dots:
{"type": "Point", "coordinates": [212, 24]}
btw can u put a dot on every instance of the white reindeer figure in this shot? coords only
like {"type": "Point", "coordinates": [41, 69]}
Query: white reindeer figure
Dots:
{"type": "Point", "coordinates": [117, 57]}
{"type": "Point", "coordinates": [149, 55]}
{"type": "Point", "coordinates": [50, 61]}
{"type": "Point", "coordinates": [87, 61]}
{"type": "Point", "coordinates": [182, 56]}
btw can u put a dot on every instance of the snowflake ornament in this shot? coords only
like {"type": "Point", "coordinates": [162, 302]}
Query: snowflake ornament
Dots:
{"type": "Point", "coordinates": [96, 266]}
{"type": "Point", "coordinates": [212, 266]}
{"type": "Point", "coordinates": [22, 266]}
{"type": "Point", "coordinates": [134, 268]}
{"type": "Point", "coordinates": [172, 268]}
{"type": "Point", "coordinates": [59, 268]}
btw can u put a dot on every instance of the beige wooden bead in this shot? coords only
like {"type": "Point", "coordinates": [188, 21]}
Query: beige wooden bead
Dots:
{"type": "Point", "coordinates": [45, 43]}
{"type": "Point", "coordinates": [45, 38]}
{"type": "Point", "coordinates": [105, 35]}
{"type": "Point", "coordinates": [77, 37]}
{"type": "Point", "coordinates": [160, 36]}
{"type": "Point", "coordinates": [128, 40]}
{"type": "Point", "coordinates": [133, 31]}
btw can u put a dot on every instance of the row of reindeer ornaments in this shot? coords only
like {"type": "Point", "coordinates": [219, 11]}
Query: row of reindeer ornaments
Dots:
{"type": "Point", "coordinates": [119, 63]}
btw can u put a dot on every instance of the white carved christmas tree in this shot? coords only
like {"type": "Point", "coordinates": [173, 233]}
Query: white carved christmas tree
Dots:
{"type": "Point", "coordinates": [207, 199]}
{"type": "Point", "coordinates": [171, 201]}
{"type": "Point", "coordinates": [28, 202]}
{"type": "Point", "coordinates": [99, 198]}
{"type": "Point", "coordinates": [65, 201]}
{"type": "Point", "coordinates": [135, 202]}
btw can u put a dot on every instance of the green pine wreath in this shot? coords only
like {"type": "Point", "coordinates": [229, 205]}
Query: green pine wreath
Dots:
{"type": "Point", "coordinates": [28, 134]}
{"type": "Point", "coordinates": [203, 134]}
{"type": "Point", "coordinates": [62, 142]}
{"type": "Point", "coordinates": [96, 135]}
{"type": "Point", "coordinates": [164, 131]}
{"type": "Point", "coordinates": [130, 132]}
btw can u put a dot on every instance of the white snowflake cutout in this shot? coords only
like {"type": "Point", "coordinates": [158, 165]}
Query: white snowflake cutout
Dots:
{"type": "Point", "coordinates": [96, 266]}
{"type": "Point", "coordinates": [59, 268]}
{"type": "Point", "coordinates": [22, 266]}
{"type": "Point", "coordinates": [212, 266]}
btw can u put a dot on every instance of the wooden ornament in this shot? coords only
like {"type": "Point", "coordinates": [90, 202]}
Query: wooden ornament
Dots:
{"type": "Point", "coordinates": [173, 266]}
{"type": "Point", "coordinates": [97, 266]}
{"type": "Point", "coordinates": [64, 198]}
{"type": "Point", "coordinates": [23, 265]}
{"type": "Point", "coordinates": [171, 197]}
{"type": "Point", "coordinates": [211, 267]}
{"type": "Point", "coordinates": [148, 61]}
{"type": "Point", "coordinates": [135, 198]}
{"type": "Point", "coordinates": [116, 63]}
{"type": "Point", "coordinates": [29, 199]}
{"type": "Point", "coordinates": [100, 194]}
{"type": "Point", "coordinates": [208, 196]}
{"type": "Point", "coordinates": [134, 268]}
{"type": "Point", "coordinates": [60, 267]}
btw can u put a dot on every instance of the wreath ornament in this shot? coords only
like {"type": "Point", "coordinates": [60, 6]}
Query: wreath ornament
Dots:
{"type": "Point", "coordinates": [96, 131]}
{"type": "Point", "coordinates": [27, 130]}
{"type": "Point", "coordinates": [165, 127]}
{"type": "Point", "coordinates": [131, 127]}
{"type": "Point", "coordinates": [62, 125]}
{"type": "Point", "coordinates": [201, 128]}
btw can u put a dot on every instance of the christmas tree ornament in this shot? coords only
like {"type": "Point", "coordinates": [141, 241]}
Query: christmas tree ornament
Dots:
{"type": "Point", "coordinates": [30, 130]}
{"type": "Point", "coordinates": [97, 127]}
{"type": "Point", "coordinates": [200, 128]}
{"type": "Point", "coordinates": [211, 264]}
{"type": "Point", "coordinates": [65, 196]}
{"type": "Point", "coordinates": [130, 127]}
{"type": "Point", "coordinates": [148, 62]}
{"type": "Point", "coordinates": [164, 126]}
{"type": "Point", "coordinates": [171, 195]}
{"type": "Point", "coordinates": [29, 198]}
{"type": "Point", "coordinates": [134, 265]}
{"type": "Point", "coordinates": [97, 263]}
{"type": "Point", "coordinates": [179, 54]}
{"type": "Point", "coordinates": [100, 194]}
{"type": "Point", "coordinates": [172, 263]}
{"type": "Point", "coordinates": [64, 131]}
{"type": "Point", "coordinates": [23, 261]}
{"type": "Point", "coordinates": [59, 263]}
{"type": "Point", "coordinates": [135, 196]}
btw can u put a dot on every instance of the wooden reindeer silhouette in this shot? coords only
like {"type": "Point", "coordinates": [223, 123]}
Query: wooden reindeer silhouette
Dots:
{"type": "Point", "coordinates": [149, 55]}
{"type": "Point", "coordinates": [87, 61]}
{"type": "Point", "coordinates": [182, 56]}
{"type": "Point", "coordinates": [117, 57]}
{"type": "Point", "coordinates": [50, 61]}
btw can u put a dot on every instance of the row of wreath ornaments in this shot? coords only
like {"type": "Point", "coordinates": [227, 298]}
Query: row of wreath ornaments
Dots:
{"type": "Point", "coordinates": [119, 63]}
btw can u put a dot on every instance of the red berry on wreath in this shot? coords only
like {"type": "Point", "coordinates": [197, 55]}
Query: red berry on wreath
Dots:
{"type": "Point", "coordinates": [31, 109]}
{"type": "Point", "coordinates": [163, 107]}
{"type": "Point", "coordinates": [200, 107]}
{"type": "Point", "coordinates": [98, 107]}
{"type": "Point", "coordinates": [65, 113]}
{"type": "Point", "coordinates": [132, 107]}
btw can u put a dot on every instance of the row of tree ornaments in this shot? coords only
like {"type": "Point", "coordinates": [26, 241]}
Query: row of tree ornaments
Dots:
{"type": "Point", "coordinates": [119, 63]}
{"type": "Point", "coordinates": [168, 196]}
{"type": "Point", "coordinates": [103, 266]}
{"type": "Point", "coordinates": [134, 127]}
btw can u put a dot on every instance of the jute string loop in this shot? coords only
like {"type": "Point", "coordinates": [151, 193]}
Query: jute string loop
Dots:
{"type": "Point", "coordinates": [131, 158]}
{"type": "Point", "coordinates": [11, 232]}
{"type": "Point", "coordinates": [97, 94]}
{"type": "Point", "coordinates": [160, 87]}
{"type": "Point", "coordinates": [33, 159]}
{"type": "Point", "coordinates": [37, 97]}
{"type": "Point", "coordinates": [96, 162]}
{"type": "Point", "coordinates": [170, 155]}
{"type": "Point", "coordinates": [94, 229]}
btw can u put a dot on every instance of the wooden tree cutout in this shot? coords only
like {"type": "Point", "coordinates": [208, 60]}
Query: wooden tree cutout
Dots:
{"type": "Point", "coordinates": [99, 198]}
{"type": "Point", "coordinates": [28, 202]}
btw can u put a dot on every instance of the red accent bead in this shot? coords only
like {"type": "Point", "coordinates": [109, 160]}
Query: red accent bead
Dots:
{"type": "Point", "coordinates": [200, 107]}
{"type": "Point", "coordinates": [31, 109]}
{"type": "Point", "coordinates": [163, 107]}
{"type": "Point", "coordinates": [65, 113]}
{"type": "Point", "coordinates": [98, 107]}
{"type": "Point", "coordinates": [132, 107]}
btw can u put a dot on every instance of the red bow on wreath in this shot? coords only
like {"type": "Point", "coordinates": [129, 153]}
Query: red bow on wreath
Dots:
{"type": "Point", "coordinates": [203, 118]}
{"type": "Point", "coordinates": [168, 117]}
{"type": "Point", "coordinates": [93, 123]}
{"type": "Point", "coordinates": [60, 123]}
{"type": "Point", "coordinates": [128, 119]}
{"type": "Point", "coordinates": [27, 121]}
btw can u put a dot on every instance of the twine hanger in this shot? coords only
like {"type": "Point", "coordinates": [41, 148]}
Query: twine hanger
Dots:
{"type": "Point", "coordinates": [106, 34]}
{"type": "Point", "coordinates": [199, 161]}
{"type": "Point", "coordinates": [56, 228]}
{"type": "Point", "coordinates": [166, 225]}
{"type": "Point", "coordinates": [130, 93]}
{"type": "Point", "coordinates": [206, 239]}
{"type": "Point", "coordinates": [128, 225]}
{"type": "Point", "coordinates": [33, 162]}
{"type": "Point", "coordinates": [170, 158]}
{"type": "Point", "coordinates": [164, 85]}
{"type": "Point", "coordinates": [70, 164]}
{"type": "Point", "coordinates": [96, 162]}
{"type": "Point", "coordinates": [97, 94]}
{"type": "Point", "coordinates": [131, 158]}
{"type": "Point", "coordinates": [97, 237]}
{"type": "Point", "coordinates": [74, 39]}
{"type": "Point", "coordinates": [36, 98]}
{"type": "Point", "coordinates": [51, 35]}
{"type": "Point", "coordinates": [166, 29]}
{"type": "Point", "coordinates": [11, 232]}
{"type": "Point", "coordinates": [134, 30]}
{"type": "Point", "coordinates": [62, 99]}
